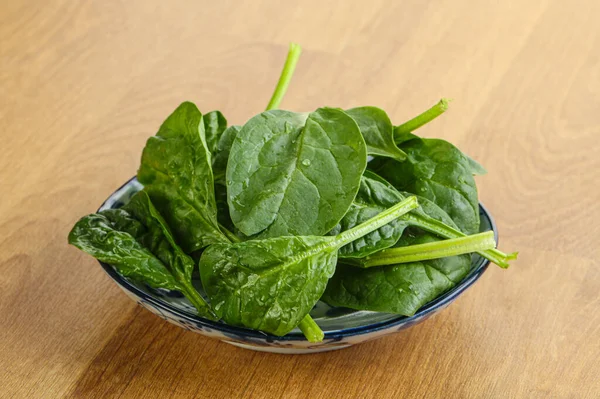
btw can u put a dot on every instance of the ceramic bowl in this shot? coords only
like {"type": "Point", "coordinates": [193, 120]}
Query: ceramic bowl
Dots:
{"type": "Point", "coordinates": [342, 327]}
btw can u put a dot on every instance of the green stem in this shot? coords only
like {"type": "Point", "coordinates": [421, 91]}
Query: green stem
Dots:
{"type": "Point", "coordinates": [431, 250]}
{"type": "Point", "coordinates": [286, 75]}
{"type": "Point", "coordinates": [232, 237]}
{"type": "Point", "coordinates": [443, 230]}
{"type": "Point", "coordinates": [311, 330]}
{"type": "Point", "coordinates": [376, 222]}
{"type": "Point", "coordinates": [422, 119]}
{"type": "Point", "coordinates": [199, 303]}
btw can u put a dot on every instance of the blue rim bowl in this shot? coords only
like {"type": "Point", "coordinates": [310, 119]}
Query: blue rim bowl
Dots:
{"type": "Point", "coordinates": [342, 327]}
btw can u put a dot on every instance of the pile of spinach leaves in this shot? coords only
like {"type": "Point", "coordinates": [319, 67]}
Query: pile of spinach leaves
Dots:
{"type": "Point", "coordinates": [292, 208]}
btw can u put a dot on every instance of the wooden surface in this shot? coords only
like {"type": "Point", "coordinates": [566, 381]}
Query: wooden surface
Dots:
{"type": "Point", "coordinates": [83, 84]}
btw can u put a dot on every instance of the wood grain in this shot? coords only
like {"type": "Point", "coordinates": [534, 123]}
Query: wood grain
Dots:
{"type": "Point", "coordinates": [83, 84]}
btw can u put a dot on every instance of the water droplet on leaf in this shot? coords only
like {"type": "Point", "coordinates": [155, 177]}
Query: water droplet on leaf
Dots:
{"type": "Point", "coordinates": [306, 162]}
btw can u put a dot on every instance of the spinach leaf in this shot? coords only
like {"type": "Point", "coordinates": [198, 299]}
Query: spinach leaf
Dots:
{"type": "Point", "coordinates": [219, 166]}
{"type": "Point", "coordinates": [437, 170]}
{"type": "Point", "coordinates": [97, 235]}
{"type": "Point", "coordinates": [430, 213]}
{"type": "Point", "coordinates": [377, 194]}
{"type": "Point", "coordinates": [378, 132]}
{"type": "Point", "coordinates": [272, 284]}
{"type": "Point", "coordinates": [374, 195]}
{"type": "Point", "coordinates": [401, 289]}
{"type": "Point", "coordinates": [214, 126]}
{"type": "Point", "coordinates": [137, 242]}
{"type": "Point", "coordinates": [225, 223]}
{"type": "Point", "coordinates": [445, 230]}
{"type": "Point", "coordinates": [267, 285]}
{"type": "Point", "coordinates": [404, 131]}
{"type": "Point", "coordinates": [221, 154]}
{"type": "Point", "coordinates": [372, 198]}
{"type": "Point", "coordinates": [476, 167]}
{"type": "Point", "coordinates": [294, 174]}
{"type": "Point", "coordinates": [222, 208]}
{"type": "Point", "coordinates": [158, 238]}
{"type": "Point", "coordinates": [176, 171]}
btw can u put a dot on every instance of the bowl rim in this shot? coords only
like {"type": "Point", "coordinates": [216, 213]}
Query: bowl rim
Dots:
{"type": "Point", "coordinates": [437, 303]}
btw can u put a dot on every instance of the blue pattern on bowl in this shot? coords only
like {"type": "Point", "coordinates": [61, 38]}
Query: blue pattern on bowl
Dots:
{"type": "Point", "coordinates": [342, 327]}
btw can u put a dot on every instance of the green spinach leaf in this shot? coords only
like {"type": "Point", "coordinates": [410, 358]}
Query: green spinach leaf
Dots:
{"type": "Point", "coordinates": [404, 131]}
{"type": "Point", "coordinates": [176, 171]}
{"type": "Point", "coordinates": [158, 237]}
{"type": "Point", "coordinates": [222, 208]}
{"type": "Point", "coordinates": [378, 132]}
{"type": "Point", "coordinates": [214, 126]}
{"type": "Point", "coordinates": [219, 166]}
{"type": "Point", "coordinates": [437, 170]}
{"type": "Point", "coordinates": [272, 284]}
{"type": "Point", "coordinates": [221, 154]}
{"type": "Point", "coordinates": [376, 194]}
{"type": "Point", "coordinates": [137, 242]}
{"type": "Point", "coordinates": [97, 235]}
{"type": "Point", "coordinates": [372, 198]}
{"type": "Point", "coordinates": [401, 289]}
{"type": "Point", "coordinates": [294, 174]}
{"type": "Point", "coordinates": [476, 167]}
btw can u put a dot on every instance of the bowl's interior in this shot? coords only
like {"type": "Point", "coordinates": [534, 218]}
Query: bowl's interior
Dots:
{"type": "Point", "coordinates": [330, 319]}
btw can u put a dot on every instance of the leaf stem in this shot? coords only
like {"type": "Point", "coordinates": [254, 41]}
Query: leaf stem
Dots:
{"type": "Point", "coordinates": [425, 117]}
{"type": "Point", "coordinates": [311, 330]}
{"type": "Point", "coordinates": [199, 303]}
{"type": "Point", "coordinates": [443, 230]}
{"type": "Point", "coordinates": [286, 75]}
{"type": "Point", "coordinates": [431, 250]}
{"type": "Point", "coordinates": [232, 237]}
{"type": "Point", "coordinates": [376, 222]}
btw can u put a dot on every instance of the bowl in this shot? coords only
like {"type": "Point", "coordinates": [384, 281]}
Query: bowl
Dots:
{"type": "Point", "coordinates": [342, 327]}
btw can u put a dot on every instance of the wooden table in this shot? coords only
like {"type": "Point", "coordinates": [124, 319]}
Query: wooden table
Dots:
{"type": "Point", "coordinates": [83, 84]}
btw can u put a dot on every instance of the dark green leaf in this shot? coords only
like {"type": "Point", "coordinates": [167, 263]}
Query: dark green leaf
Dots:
{"type": "Point", "coordinates": [430, 210]}
{"type": "Point", "coordinates": [97, 235]}
{"type": "Point", "coordinates": [219, 166]}
{"type": "Point", "coordinates": [221, 155]}
{"type": "Point", "coordinates": [294, 174]}
{"type": "Point", "coordinates": [158, 238]}
{"type": "Point", "coordinates": [404, 137]}
{"type": "Point", "coordinates": [401, 289]}
{"type": "Point", "coordinates": [222, 207]}
{"type": "Point", "coordinates": [271, 284]}
{"type": "Point", "coordinates": [428, 217]}
{"type": "Point", "coordinates": [138, 243]}
{"type": "Point", "coordinates": [375, 195]}
{"type": "Point", "coordinates": [214, 126]}
{"type": "Point", "coordinates": [267, 285]}
{"type": "Point", "coordinates": [437, 170]}
{"type": "Point", "coordinates": [378, 132]}
{"type": "Point", "coordinates": [476, 167]}
{"type": "Point", "coordinates": [177, 173]}
{"type": "Point", "coordinates": [372, 198]}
